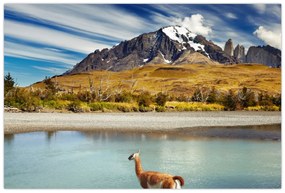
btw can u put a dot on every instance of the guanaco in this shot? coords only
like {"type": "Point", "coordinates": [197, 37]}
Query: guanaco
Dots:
{"type": "Point", "coordinates": [151, 179]}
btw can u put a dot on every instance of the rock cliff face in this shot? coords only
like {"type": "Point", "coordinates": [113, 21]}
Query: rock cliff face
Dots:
{"type": "Point", "coordinates": [264, 55]}
{"type": "Point", "coordinates": [239, 53]}
{"type": "Point", "coordinates": [229, 47]}
{"type": "Point", "coordinates": [163, 46]}
{"type": "Point", "coordinates": [215, 52]}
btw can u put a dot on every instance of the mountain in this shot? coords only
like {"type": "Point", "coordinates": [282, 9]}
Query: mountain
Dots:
{"type": "Point", "coordinates": [229, 47]}
{"type": "Point", "coordinates": [239, 53]}
{"type": "Point", "coordinates": [168, 45]}
{"type": "Point", "coordinates": [267, 55]}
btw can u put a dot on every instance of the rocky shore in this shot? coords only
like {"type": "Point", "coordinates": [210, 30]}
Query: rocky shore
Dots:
{"type": "Point", "coordinates": [259, 125]}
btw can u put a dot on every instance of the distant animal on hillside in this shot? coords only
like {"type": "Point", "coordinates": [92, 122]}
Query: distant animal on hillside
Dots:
{"type": "Point", "coordinates": [150, 179]}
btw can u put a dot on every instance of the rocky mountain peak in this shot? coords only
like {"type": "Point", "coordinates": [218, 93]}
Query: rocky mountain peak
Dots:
{"type": "Point", "coordinates": [239, 53]}
{"type": "Point", "coordinates": [267, 55]}
{"type": "Point", "coordinates": [229, 47]}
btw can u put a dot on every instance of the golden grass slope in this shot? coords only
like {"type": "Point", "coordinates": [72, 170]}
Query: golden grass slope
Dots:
{"type": "Point", "coordinates": [177, 79]}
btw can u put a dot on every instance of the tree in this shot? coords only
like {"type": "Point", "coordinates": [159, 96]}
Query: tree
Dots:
{"type": "Point", "coordinates": [9, 83]}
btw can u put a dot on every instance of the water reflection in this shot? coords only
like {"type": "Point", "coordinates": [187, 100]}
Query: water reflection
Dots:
{"type": "Point", "coordinates": [137, 136]}
{"type": "Point", "coordinates": [50, 135]}
{"type": "Point", "coordinates": [9, 138]}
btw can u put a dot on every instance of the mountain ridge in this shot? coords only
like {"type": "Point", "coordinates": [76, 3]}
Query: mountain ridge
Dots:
{"type": "Point", "coordinates": [165, 46]}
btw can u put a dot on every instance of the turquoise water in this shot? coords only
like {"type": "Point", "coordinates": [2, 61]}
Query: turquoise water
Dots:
{"type": "Point", "coordinates": [70, 159]}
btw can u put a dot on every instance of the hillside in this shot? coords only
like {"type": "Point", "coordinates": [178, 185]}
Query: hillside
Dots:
{"type": "Point", "coordinates": [175, 80]}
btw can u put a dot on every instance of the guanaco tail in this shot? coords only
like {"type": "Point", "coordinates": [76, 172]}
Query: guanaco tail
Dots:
{"type": "Point", "coordinates": [151, 179]}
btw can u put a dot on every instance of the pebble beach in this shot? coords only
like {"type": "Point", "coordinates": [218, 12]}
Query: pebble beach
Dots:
{"type": "Point", "coordinates": [236, 124]}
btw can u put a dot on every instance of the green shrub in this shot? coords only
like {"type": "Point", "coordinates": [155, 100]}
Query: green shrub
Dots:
{"type": "Point", "coordinates": [144, 99]}
{"type": "Point", "coordinates": [68, 97]}
{"type": "Point", "coordinates": [125, 97]}
{"type": "Point", "coordinates": [75, 106]}
{"type": "Point", "coordinates": [95, 106]}
{"type": "Point", "coordinates": [230, 101]}
{"type": "Point", "coordinates": [55, 104]}
{"type": "Point", "coordinates": [84, 96]}
{"type": "Point", "coordinates": [160, 109]}
{"type": "Point", "coordinates": [193, 106]}
{"type": "Point", "coordinates": [22, 99]}
{"type": "Point", "coordinates": [246, 97]}
{"type": "Point", "coordinates": [161, 99]}
{"type": "Point", "coordinates": [263, 108]}
{"type": "Point", "coordinates": [145, 109]}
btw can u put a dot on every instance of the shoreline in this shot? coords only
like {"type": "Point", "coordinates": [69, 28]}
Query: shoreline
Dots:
{"type": "Point", "coordinates": [236, 124]}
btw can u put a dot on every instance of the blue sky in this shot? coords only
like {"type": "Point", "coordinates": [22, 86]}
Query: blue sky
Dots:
{"type": "Point", "coordinates": [48, 39]}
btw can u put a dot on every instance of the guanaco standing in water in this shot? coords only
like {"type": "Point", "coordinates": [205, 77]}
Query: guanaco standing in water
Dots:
{"type": "Point", "coordinates": [150, 179]}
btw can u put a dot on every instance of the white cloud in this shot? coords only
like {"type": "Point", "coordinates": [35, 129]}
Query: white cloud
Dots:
{"type": "Point", "coordinates": [196, 24]}
{"type": "Point", "coordinates": [231, 15]}
{"type": "Point", "coordinates": [50, 37]}
{"type": "Point", "coordinates": [260, 8]}
{"type": "Point", "coordinates": [28, 52]}
{"type": "Point", "coordinates": [108, 21]}
{"type": "Point", "coordinates": [272, 38]}
{"type": "Point", "coordinates": [52, 70]}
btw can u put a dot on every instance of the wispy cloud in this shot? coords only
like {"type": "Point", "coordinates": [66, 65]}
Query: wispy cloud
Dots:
{"type": "Point", "coordinates": [108, 20]}
{"type": "Point", "coordinates": [231, 15]}
{"type": "Point", "coordinates": [29, 52]}
{"type": "Point", "coordinates": [47, 36]}
{"type": "Point", "coordinates": [52, 70]}
{"type": "Point", "coordinates": [260, 8]}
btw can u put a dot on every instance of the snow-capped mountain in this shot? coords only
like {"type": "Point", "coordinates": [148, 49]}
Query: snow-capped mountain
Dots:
{"type": "Point", "coordinates": [166, 46]}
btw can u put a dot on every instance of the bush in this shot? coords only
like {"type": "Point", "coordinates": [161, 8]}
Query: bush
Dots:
{"type": "Point", "coordinates": [103, 106]}
{"type": "Point", "coordinates": [194, 106]}
{"type": "Point", "coordinates": [212, 97]}
{"type": "Point", "coordinates": [22, 99]}
{"type": "Point", "coordinates": [161, 99]}
{"type": "Point", "coordinates": [263, 108]}
{"type": "Point", "coordinates": [125, 97]}
{"type": "Point", "coordinates": [55, 104]}
{"type": "Point", "coordinates": [84, 96]}
{"type": "Point", "coordinates": [95, 106]}
{"type": "Point", "coordinates": [230, 101]}
{"type": "Point", "coordinates": [160, 109]}
{"type": "Point", "coordinates": [144, 99]}
{"type": "Point", "coordinates": [246, 97]}
{"type": "Point", "coordinates": [75, 106]}
{"type": "Point", "coordinates": [68, 97]}
{"type": "Point", "coordinates": [145, 109]}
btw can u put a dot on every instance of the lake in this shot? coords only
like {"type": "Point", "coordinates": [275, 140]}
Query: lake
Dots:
{"type": "Point", "coordinates": [99, 160]}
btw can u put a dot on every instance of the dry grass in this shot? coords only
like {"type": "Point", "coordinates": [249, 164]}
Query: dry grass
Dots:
{"type": "Point", "coordinates": [193, 106]}
{"type": "Point", "coordinates": [179, 80]}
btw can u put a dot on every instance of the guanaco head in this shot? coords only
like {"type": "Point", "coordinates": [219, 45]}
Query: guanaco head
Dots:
{"type": "Point", "coordinates": [134, 155]}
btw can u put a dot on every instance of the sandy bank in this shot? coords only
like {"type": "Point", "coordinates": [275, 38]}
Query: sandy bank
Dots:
{"type": "Point", "coordinates": [224, 124]}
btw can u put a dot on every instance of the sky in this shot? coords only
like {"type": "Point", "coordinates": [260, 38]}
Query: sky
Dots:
{"type": "Point", "coordinates": [48, 39]}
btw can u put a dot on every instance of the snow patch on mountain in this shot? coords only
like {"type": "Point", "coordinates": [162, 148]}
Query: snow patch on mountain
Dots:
{"type": "Point", "coordinates": [165, 60]}
{"type": "Point", "coordinates": [183, 36]}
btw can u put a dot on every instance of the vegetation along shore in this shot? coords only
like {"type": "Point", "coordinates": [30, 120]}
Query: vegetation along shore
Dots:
{"type": "Point", "coordinates": [160, 88]}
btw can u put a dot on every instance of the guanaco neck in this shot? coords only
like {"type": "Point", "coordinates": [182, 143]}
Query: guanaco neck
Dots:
{"type": "Point", "coordinates": [139, 168]}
